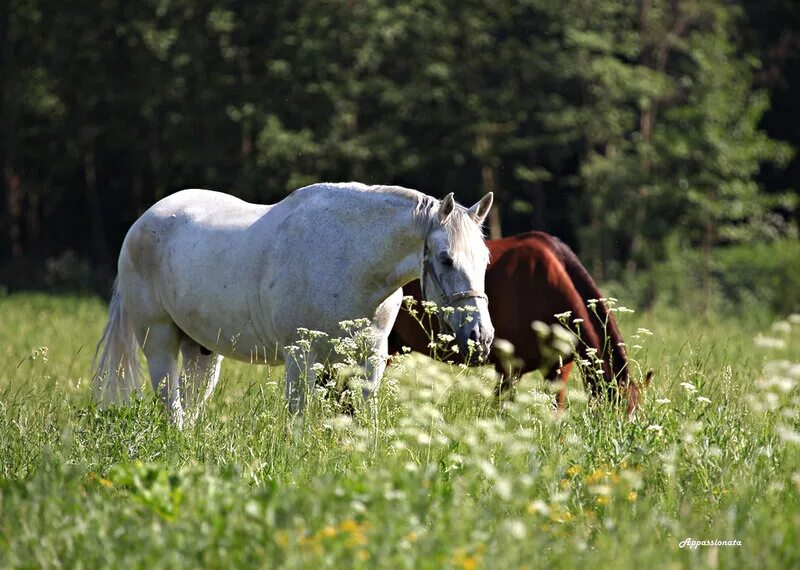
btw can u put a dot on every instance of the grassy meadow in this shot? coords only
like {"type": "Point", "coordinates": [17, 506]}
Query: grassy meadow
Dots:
{"type": "Point", "coordinates": [442, 477]}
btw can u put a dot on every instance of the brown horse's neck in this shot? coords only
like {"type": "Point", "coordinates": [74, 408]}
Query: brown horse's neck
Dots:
{"type": "Point", "coordinates": [613, 351]}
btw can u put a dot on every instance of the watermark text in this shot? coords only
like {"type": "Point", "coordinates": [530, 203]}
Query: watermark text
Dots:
{"type": "Point", "coordinates": [691, 543]}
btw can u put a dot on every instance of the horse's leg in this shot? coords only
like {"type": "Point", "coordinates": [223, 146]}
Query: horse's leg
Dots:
{"type": "Point", "coordinates": [507, 384]}
{"type": "Point", "coordinates": [373, 373]}
{"type": "Point", "coordinates": [212, 371]}
{"type": "Point", "coordinates": [558, 377]}
{"type": "Point", "coordinates": [200, 373]}
{"type": "Point", "coordinates": [300, 378]}
{"type": "Point", "coordinates": [381, 327]}
{"type": "Point", "coordinates": [161, 344]}
{"type": "Point", "coordinates": [194, 372]}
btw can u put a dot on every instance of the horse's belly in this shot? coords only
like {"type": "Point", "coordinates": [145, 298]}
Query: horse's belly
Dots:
{"type": "Point", "coordinates": [232, 338]}
{"type": "Point", "coordinates": [218, 310]}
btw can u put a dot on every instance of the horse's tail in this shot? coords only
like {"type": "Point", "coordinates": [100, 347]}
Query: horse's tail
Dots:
{"type": "Point", "coordinates": [116, 374]}
{"type": "Point", "coordinates": [605, 325]}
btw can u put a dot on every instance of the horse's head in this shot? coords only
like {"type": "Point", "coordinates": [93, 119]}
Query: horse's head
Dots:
{"type": "Point", "coordinates": [453, 270]}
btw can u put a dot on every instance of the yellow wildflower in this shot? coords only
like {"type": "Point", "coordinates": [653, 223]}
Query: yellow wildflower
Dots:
{"type": "Point", "coordinates": [594, 476]}
{"type": "Point", "coordinates": [103, 481]}
{"type": "Point", "coordinates": [349, 526]}
{"type": "Point", "coordinates": [464, 560]}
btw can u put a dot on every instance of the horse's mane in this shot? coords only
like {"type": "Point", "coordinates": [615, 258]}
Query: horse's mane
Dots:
{"type": "Point", "coordinates": [459, 225]}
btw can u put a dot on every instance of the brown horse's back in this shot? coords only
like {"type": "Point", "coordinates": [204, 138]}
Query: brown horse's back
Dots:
{"type": "Point", "coordinates": [527, 282]}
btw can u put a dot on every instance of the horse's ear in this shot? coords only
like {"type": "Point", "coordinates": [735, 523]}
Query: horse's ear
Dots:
{"type": "Point", "coordinates": [446, 207]}
{"type": "Point", "coordinates": [479, 211]}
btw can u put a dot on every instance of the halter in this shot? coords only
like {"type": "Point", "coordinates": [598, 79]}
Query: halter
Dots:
{"type": "Point", "coordinates": [427, 268]}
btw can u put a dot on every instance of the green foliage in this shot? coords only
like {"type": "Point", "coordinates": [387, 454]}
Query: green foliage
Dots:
{"type": "Point", "coordinates": [762, 274]}
{"type": "Point", "coordinates": [442, 477]}
{"type": "Point", "coordinates": [759, 279]}
{"type": "Point", "coordinates": [613, 124]}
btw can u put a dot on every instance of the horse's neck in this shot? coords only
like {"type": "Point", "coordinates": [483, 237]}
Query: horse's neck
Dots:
{"type": "Point", "coordinates": [397, 257]}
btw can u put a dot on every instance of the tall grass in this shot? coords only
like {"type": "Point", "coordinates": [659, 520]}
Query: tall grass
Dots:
{"type": "Point", "coordinates": [443, 477]}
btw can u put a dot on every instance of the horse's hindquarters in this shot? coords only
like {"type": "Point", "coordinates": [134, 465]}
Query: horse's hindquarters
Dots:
{"type": "Point", "coordinates": [180, 265]}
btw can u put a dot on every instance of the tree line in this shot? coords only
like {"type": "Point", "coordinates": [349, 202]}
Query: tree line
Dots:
{"type": "Point", "coordinates": [619, 126]}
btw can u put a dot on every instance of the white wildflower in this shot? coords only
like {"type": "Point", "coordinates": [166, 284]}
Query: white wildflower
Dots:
{"type": "Point", "coordinates": [515, 529]}
{"type": "Point", "coordinates": [787, 434]}
{"type": "Point", "coordinates": [502, 487]}
{"type": "Point", "coordinates": [503, 347]}
{"type": "Point", "coordinates": [601, 490]}
{"type": "Point", "coordinates": [782, 327]}
{"type": "Point", "coordinates": [762, 341]}
{"type": "Point", "coordinates": [540, 507]}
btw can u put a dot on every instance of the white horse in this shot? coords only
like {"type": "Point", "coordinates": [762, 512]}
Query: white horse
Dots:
{"type": "Point", "coordinates": [208, 275]}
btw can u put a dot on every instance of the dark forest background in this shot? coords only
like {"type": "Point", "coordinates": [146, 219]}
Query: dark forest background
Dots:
{"type": "Point", "coordinates": [658, 138]}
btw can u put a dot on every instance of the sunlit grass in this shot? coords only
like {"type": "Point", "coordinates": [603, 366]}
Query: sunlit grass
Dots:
{"type": "Point", "coordinates": [446, 476]}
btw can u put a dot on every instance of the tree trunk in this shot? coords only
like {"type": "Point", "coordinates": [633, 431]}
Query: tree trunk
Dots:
{"type": "Point", "coordinates": [640, 210]}
{"type": "Point", "coordinates": [708, 238]}
{"type": "Point", "coordinates": [156, 159]}
{"type": "Point", "coordinates": [656, 57]}
{"type": "Point", "coordinates": [14, 209]}
{"type": "Point", "coordinates": [489, 179]}
{"type": "Point", "coordinates": [537, 216]}
{"type": "Point", "coordinates": [99, 246]}
{"type": "Point", "coordinates": [645, 128]}
{"type": "Point", "coordinates": [5, 195]}
{"type": "Point", "coordinates": [598, 257]}
{"type": "Point", "coordinates": [489, 185]}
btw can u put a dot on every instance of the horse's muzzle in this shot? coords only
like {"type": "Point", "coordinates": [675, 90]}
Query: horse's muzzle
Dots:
{"type": "Point", "coordinates": [475, 339]}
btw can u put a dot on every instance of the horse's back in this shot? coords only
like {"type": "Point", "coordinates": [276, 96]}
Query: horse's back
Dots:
{"type": "Point", "coordinates": [527, 279]}
{"type": "Point", "coordinates": [201, 208]}
{"type": "Point", "coordinates": [191, 229]}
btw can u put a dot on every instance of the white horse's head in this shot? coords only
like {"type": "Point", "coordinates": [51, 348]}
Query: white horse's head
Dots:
{"type": "Point", "coordinates": [453, 271]}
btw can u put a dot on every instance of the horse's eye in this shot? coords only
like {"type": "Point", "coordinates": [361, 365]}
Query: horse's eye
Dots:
{"type": "Point", "coordinates": [446, 260]}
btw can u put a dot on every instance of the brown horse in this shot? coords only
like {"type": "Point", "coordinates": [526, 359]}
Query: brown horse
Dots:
{"type": "Point", "coordinates": [532, 277]}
